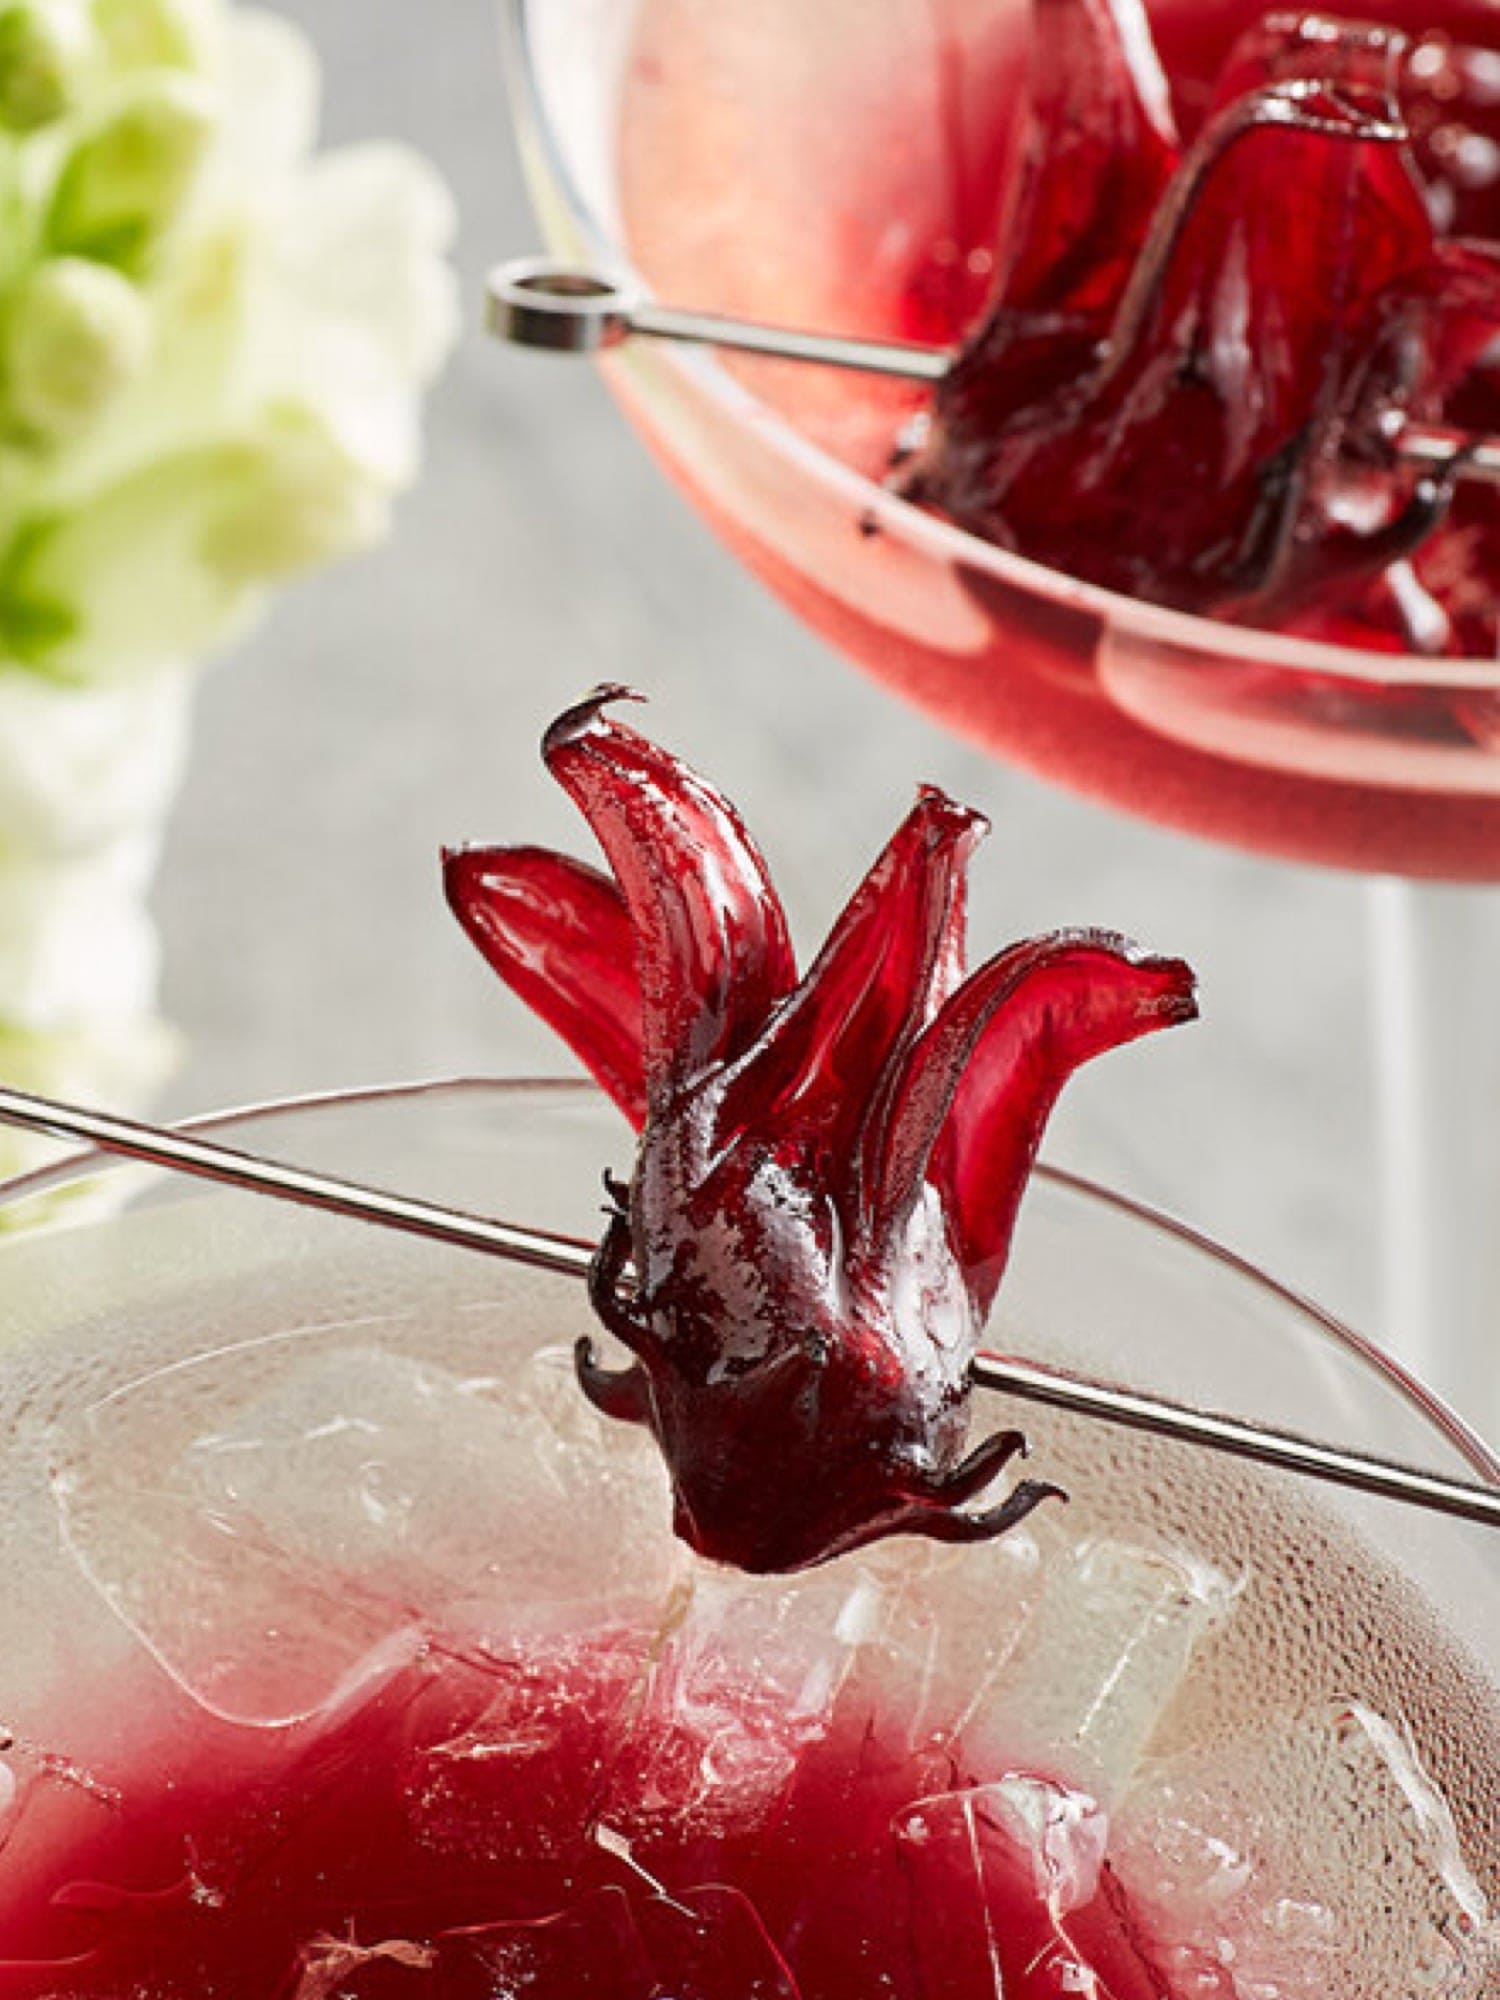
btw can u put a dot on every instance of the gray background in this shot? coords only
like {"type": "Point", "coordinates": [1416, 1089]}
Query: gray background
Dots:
{"type": "Point", "coordinates": [396, 704]}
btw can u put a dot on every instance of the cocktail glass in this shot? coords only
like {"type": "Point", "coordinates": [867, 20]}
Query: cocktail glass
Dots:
{"type": "Point", "coordinates": [271, 1479]}
{"type": "Point", "coordinates": [839, 166]}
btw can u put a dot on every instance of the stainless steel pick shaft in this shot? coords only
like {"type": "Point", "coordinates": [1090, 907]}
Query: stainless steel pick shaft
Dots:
{"type": "Point", "coordinates": [573, 309]}
{"type": "Point", "coordinates": [182, 1152]}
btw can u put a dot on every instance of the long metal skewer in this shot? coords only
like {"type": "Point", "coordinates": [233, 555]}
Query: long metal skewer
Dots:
{"type": "Point", "coordinates": [158, 1146]}
{"type": "Point", "coordinates": [183, 1153]}
{"type": "Point", "coordinates": [571, 309]}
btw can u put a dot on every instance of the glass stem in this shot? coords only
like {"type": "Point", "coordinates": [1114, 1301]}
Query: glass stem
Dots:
{"type": "Point", "coordinates": [1435, 953]}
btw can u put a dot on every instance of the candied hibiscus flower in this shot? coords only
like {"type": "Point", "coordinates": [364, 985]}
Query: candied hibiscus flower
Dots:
{"type": "Point", "coordinates": [829, 1167]}
{"type": "Point", "coordinates": [1188, 380]}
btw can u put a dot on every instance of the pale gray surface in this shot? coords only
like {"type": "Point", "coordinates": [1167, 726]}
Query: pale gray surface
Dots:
{"type": "Point", "coordinates": [397, 704]}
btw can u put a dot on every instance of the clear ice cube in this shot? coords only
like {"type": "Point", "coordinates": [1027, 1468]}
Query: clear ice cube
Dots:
{"type": "Point", "coordinates": [746, 1676]}
{"type": "Point", "coordinates": [942, 1627]}
{"type": "Point", "coordinates": [266, 1517]}
{"type": "Point", "coordinates": [1316, 1861]}
{"type": "Point", "coordinates": [1101, 1659]}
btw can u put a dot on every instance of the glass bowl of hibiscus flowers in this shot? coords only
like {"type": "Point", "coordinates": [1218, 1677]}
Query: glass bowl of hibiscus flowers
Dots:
{"type": "Point", "coordinates": [1208, 271]}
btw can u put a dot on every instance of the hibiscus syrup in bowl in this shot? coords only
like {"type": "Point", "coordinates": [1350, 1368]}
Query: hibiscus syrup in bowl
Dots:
{"type": "Point", "coordinates": [347, 1651]}
{"type": "Point", "coordinates": [849, 167]}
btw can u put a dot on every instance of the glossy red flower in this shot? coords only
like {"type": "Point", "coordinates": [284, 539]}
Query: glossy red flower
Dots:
{"type": "Point", "coordinates": [1196, 355]}
{"type": "Point", "coordinates": [829, 1167]}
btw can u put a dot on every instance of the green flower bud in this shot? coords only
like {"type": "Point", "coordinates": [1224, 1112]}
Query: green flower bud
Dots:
{"type": "Point", "coordinates": [157, 34]}
{"type": "Point", "coordinates": [129, 178]}
{"type": "Point", "coordinates": [45, 50]}
{"type": "Point", "coordinates": [167, 563]}
{"type": "Point", "coordinates": [72, 334]}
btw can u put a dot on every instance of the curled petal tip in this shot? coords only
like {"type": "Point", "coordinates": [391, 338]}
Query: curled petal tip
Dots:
{"type": "Point", "coordinates": [1173, 984]}
{"type": "Point", "coordinates": [577, 721]}
{"type": "Point", "coordinates": [1180, 1000]}
{"type": "Point", "coordinates": [458, 865]}
{"type": "Point", "coordinates": [950, 814]}
{"type": "Point", "coordinates": [1176, 998]}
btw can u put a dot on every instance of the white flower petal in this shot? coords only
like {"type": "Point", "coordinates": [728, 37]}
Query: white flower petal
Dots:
{"type": "Point", "coordinates": [271, 85]}
{"type": "Point", "coordinates": [365, 242]}
{"type": "Point", "coordinates": [81, 766]}
{"type": "Point", "coordinates": [168, 563]}
{"type": "Point", "coordinates": [200, 378]}
{"type": "Point", "coordinates": [77, 944]}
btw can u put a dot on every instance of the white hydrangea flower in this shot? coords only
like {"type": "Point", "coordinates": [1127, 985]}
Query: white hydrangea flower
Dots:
{"type": "Point", "coordinates": [214, 342]}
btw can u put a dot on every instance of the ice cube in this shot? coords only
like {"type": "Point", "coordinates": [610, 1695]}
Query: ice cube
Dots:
{"type": "Point", "coordinates": [942, 1626]}
{"type": "Point", "coordinates": [266, 1516]}
{"type": "Point", "coordinates": [1316, 1861]}
{"type": "Point", "coordinates": [431, 1488]}
{"type": "Point", "coordinates": [1100, 1661]}
{"type": "Point", "coordinates": [745, 1678]}
{"type": "Point", "coordinates": [1009, 1892]}
{"type": "Point", "coordinates": [245, 1628]}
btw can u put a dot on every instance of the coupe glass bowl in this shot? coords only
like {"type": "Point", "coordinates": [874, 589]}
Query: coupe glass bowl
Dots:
{"type": "Point", "coordinates": [798, 163]}
{"type": "Point", "coordinates": [132, 1343]}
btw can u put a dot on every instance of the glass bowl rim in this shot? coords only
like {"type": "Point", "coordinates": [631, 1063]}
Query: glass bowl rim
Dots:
{"type": "Point", "coordinates": [545, 161]}
{"type": "Point", "coordinates": [1449, 1425]}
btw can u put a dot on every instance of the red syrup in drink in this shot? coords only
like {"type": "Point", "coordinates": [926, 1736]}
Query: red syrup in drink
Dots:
{"type": "Point", "coordinates": [465, 1827]}
{"type": "Point", "coordinates": [1261, 748]}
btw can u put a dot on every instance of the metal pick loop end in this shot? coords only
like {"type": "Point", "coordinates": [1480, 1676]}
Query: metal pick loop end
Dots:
{"type": "Point", "coordinates": [563, 308]}
{"type": "Point", "coordinates": [571, 309]}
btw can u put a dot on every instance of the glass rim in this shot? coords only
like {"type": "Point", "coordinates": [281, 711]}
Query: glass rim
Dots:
{"type": "Point", "coordinates": [545, 161]}
{"type": "Point", "coordinates": [1455, 1432]}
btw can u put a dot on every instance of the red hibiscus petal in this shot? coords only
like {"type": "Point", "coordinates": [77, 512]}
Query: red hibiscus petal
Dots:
{"type": "Point", "coordinates": [982, 1081]}
{"type": "Point", "coordinates": [1252, 310]}
{"type": "Point", "coordinates": [559, 935]}
{"type": "Point", "coordinates": [891, 959]}
{"type": "Point", "coordinates": [713, 952]}
{"type": "Point", "coordinates": [1454, 307]}
{"type": "Point", "coordinates": [1100, 150]}
{"type": "Point", "coordinates": [1101, 147]}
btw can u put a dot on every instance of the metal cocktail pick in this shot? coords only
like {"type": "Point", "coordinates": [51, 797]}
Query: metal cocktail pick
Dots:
{"type": "Point", "coordinates": [182, 1153]}
{"type": "Point", "coordinates": [572, 309]}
